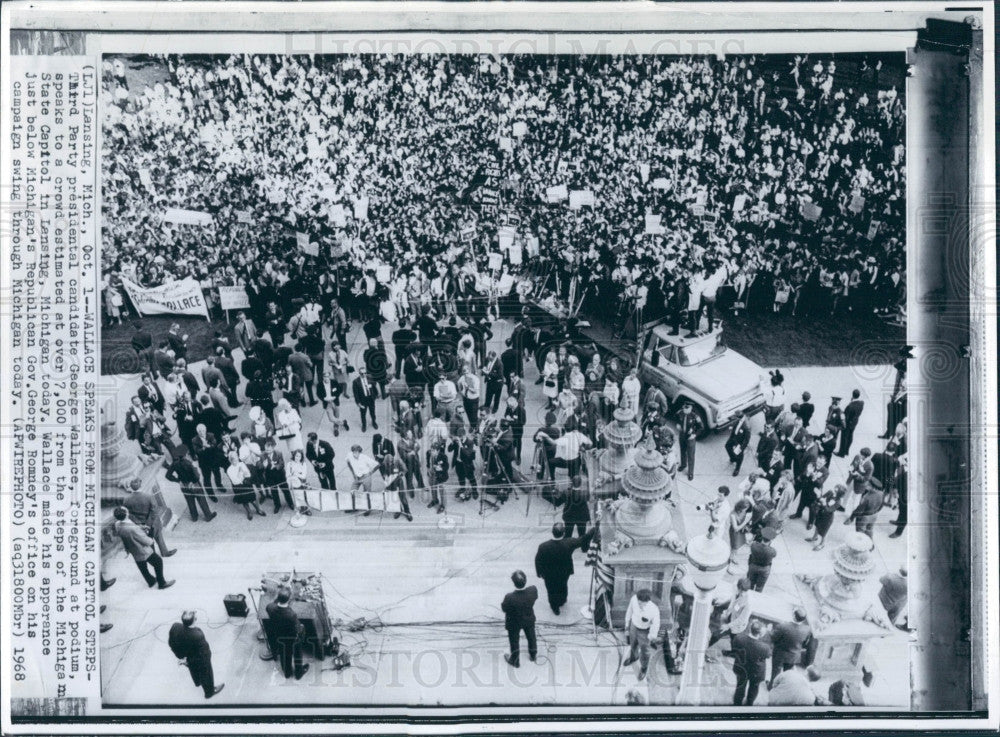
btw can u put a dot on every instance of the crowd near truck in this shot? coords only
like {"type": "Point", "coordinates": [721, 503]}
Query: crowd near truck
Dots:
{"type": "Point", "coordinates": [701, 370]}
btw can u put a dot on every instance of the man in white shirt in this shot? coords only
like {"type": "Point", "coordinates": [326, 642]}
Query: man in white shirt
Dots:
{"type": "Point", "coordinates": [642, 618]}
{"type": "Point", "coordinates": [445, 396]}
{"type": "Point", "coordinates": [363, 467]}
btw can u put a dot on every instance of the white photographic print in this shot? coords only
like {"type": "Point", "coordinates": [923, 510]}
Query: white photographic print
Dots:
{"type": "Point", "coordinates": [521, 364]}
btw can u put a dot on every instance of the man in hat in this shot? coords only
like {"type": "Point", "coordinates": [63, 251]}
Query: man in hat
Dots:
{"type": "Point", "coordinates": [518, 608]}
{"type": "Point", "coordinates": [790, 641]}
{"type": "Point", "coordinates": [868, 508]}
{"type": "Point", "coordinates": [762, 553]}
{"type": "Point", "coordinates": [142, 509]}
{"type": "Point", "coordinates": [689, 426]}
{"type": "Point", "coordinates": [188, 643]}
{"type": "Point", "coordinates": [861, 471]}
{"type": "Point", "coordinates": [852, 415]}
{"type": "Point", "coordinates": [739, 439]}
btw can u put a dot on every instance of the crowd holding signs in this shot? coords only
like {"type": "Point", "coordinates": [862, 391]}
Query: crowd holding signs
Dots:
{"type": "Point", "coordinates": [636, 171]}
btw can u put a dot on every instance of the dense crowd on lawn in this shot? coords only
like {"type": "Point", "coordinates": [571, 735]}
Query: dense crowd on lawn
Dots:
{"type": "Point", "coordinates": [383, 161]}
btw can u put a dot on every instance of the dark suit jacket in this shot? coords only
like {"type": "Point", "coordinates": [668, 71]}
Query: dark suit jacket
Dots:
{"type": "Point", "coordinates": [228, 368]}
{"type": "Point", "coordinates": [359, 394]}
{"type": "Point", "coordinates": [284, 621]}
{"type": "Point", "coordinates": [750, 656]}
{"type": "Point", "coordinates": [519, 607]}
{"type": "Point", "coordinates": [554, 558]}
{"type": "Point", "coordinates": [852, 412]}
{"type": "Point", "coordinates": [382, 446]}
{"type": "Point", "coordinates": [191, 384]}
{"type": "Point", "coordinates": [178, 345]}
{"type": "Point", "coordinates": [322, 452]}
{"type": "Point", "coordinates": [190, 643]}
{"type": "Point", "coordinates": [790, 640]}
{"type": "Point", "coordinates": [144, 394]}
{"type": "Point", "coordinates": [740, 435]}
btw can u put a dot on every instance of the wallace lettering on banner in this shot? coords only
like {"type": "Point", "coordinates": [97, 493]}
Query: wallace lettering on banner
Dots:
{"type": "Point", "coordinates": [182, 297]}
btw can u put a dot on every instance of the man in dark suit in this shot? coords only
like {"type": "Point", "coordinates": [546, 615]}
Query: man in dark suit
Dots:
{"type": "Point", "coordinates": [519, 614]}
{"type": "Point", "coordinates": [227, 366]}
{"type": "Point", "coordinates": [188, 643]}
{"type": "Point", "coordinates": [302, 367]}
{"type": "Point", "coordinates": [163, 362]}
{"type": "Point", "coordinates": [364, 395]}
{"type": "Point", "coordinates": [177, 341]}
{"type": "Point", "coordinates": [689, 426]}
{"type": "Point", "coordinates": [750, 654]}
{"type": "Point", "coordinates": [762, 554]}
{"type": "Point", "coordinates": [554, 563]}
{"type": "Point", "coordinates": [402, 337]}
{"type": "Point", "coordinates": [151, 394]}
{"type": "Point", "coordinates": [142, 509]}
{"type": "Point", "coordinates": [806, 409]}
{"type": "Point", "coordinates": [320, 453]}
{"type": "Point", "coordinates": [766, 446]}
{"type": "Point", "coordinates": [142, 344]}
{"type": "Point", "coordinates": [493, 376]}
{"type": "Point", "coordinates": [739, 439]}
{"type": "Point", "coordinates": [206, 448]}
{"type": "Point", "coordinates": [183, 472]}
{"type": "Point", "coordinates": [285, 635]}
{"type": "Point", "coordinates": [852, 413]}
{"type": "Point", "coordinates": [790, 640]}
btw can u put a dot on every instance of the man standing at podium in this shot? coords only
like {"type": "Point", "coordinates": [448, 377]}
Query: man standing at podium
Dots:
{"type": "Point", "coordinates": [286, 634]}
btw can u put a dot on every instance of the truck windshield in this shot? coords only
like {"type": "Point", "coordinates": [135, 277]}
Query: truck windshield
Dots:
{"type": "Point", "coordinates": [692, 355]}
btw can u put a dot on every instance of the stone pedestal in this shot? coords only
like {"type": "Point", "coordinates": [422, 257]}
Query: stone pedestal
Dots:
{"type": "Point", "coordinates": [120, 464]}
{"type": "Point", "coordinates": [610, 463]}
{"type": "Point", "coordinates": [843, 608]}
{"type": "Point", "coordinates": [642, 536]}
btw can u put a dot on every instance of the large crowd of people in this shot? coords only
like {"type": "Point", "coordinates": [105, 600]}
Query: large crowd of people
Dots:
{"type": "Point", "coordinates": [779, 186]}
{"type": "Point", "coordinates": [779, 181]}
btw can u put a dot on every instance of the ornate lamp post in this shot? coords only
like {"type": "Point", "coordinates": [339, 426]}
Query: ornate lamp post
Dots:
{"type": "Point", "coordinates": [707, 557]}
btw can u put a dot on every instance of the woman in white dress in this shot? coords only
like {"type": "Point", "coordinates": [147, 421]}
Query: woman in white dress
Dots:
{"type": "Point", "coordinates": [295, 472]}
{"type": "Point", "coordinates": [288, 426]}
{"type": "Point", "coordinates": [630, 392]}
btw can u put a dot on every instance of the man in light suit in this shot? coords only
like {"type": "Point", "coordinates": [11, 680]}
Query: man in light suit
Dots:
{"type": "Point", "coordinates": [246, 332]}
{"type": "Point", "coordinates": [142, 509]}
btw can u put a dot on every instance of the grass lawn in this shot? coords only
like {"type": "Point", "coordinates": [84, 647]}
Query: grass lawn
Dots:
{"type": "Point", "coordinates": [785, 341]}
{"type": "Point", "coordinates": [117, 356]}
